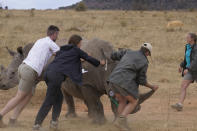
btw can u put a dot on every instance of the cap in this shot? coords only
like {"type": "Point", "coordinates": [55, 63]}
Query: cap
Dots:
{"type": "Point", "coordinates": [148, 46]}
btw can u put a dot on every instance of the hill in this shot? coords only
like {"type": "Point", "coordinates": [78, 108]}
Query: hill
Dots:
{"type": "Point", "coordinates": [138, 4]}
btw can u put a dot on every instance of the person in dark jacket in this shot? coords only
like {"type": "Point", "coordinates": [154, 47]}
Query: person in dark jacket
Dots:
{"type": "Point", "coordinates": [188, 68]}
{"type": "Point", "coordinates": [126, 78]}
{"type": "Point", "coordinates": [67, 63]}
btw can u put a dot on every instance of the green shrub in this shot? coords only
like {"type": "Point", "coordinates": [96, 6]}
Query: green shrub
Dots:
{"type": "Point", "coordinates": [191, 10]}
{"type": "Point", "coordinates": [81, 7]}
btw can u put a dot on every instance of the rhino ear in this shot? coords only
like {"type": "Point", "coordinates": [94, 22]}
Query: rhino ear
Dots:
{"type": "Point", "coordinates": [12, 53]}
{"type": "Point", "coordinates": [20, 50]}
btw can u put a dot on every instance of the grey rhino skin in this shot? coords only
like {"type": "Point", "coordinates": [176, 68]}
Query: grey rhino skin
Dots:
{"type": "Point", "coordinates": [94, 81]}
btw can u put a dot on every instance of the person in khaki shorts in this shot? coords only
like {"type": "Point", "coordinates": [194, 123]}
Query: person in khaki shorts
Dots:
{"type": "Point", "coordinates": [29, 72]}
{"type": "Point", "coordinates": [28, 78]}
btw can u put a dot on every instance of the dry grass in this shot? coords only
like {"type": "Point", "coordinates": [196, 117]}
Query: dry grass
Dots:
{"type": "Point", "coordinates": [124, 30]}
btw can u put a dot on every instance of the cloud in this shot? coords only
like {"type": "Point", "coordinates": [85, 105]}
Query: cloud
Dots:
{"type": "Point", "coordinates": [38, 4]}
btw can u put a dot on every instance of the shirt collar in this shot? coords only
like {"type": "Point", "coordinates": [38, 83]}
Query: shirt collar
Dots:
{"type": "Point", "coordinates": [144, 55]}
{"type": "Point", "coordinates": [49, 38]}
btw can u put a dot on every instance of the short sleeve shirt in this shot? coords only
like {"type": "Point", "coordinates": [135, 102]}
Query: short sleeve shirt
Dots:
{"type": "Point", "coordinates": [40, 53]}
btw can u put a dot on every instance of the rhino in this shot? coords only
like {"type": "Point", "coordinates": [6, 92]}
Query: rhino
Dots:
{"type": "Point", "coordinates": [94, 79]}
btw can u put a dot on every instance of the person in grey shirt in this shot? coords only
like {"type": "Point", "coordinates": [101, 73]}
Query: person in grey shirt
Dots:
{"type": "Point", "coordinates": [126, 78]}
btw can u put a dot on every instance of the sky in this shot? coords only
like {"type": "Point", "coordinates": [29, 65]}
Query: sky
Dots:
{"type": "Point", "coordinates": [37, 4]}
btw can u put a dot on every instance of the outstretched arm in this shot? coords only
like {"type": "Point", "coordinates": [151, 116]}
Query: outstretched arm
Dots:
{"type": "Point", "coordinates": [90, 59]}
{"type": "Point", "coordinates": [142, 78]}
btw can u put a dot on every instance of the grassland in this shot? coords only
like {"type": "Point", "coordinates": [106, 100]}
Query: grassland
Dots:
{"type": "Point", "coordinates": [124, 30]}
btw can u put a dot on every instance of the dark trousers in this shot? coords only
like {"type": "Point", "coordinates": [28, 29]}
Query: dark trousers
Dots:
{"type": "Point", "coordinates": [54, 97]}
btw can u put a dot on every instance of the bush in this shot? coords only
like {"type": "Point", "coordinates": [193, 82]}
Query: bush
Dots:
{"type": "Point", "coordinates": [191, 10]}
{"type": "Point", "coordinates": [81, 7]}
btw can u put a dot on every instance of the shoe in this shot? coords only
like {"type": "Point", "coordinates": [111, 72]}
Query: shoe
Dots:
{"type": "Point", "coordinates": [177, 106]}
{"type": "Point", "coordinates": [12, 122]}
{"type": "Point", "coordinates": [121, 123]}
{"type": "Point", "coordinates": [2, 125]}
{"type": "Point", "coordinates": [54, 125]}
{"type": "Point", "coordinates": [36, 127]}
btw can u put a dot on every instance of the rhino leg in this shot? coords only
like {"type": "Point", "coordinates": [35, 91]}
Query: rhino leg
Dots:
{"type": "Point", "coordinates": [70, 104]}
{"type": "Point", "coordinates": [90, 112]}
{"type": "Point", "coordinates": [93, 102]}
{"type": "Point", "coordinates": [142, 98]}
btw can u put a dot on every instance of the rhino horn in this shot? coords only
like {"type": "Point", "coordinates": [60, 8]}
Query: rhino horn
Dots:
{"type": "Point", "coordinates": [145, 96]}
{"type": "Point", "coordinates": [142, 98]}
{"type": "Point", "coordinates": [12, 53]}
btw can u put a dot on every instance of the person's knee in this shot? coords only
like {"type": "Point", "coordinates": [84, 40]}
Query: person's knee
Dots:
{"type": "Point", "coordinates": [185, 84]}
{"type": "Point", "coordinates": [135, 102]}
{"type": "Point", "coordinates": [20, 95]}
{"type": "Point", "coordinates": [121, 99]}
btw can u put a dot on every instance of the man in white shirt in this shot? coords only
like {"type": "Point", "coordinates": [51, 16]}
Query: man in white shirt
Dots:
{"type": "Point", "coordinates": [29, 72]}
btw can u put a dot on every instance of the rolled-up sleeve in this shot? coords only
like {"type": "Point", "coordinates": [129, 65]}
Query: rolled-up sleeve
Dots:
{"type": "Point", "coordinates": [54, 47]}
{"type": "Point", "coordinates": [142, 77]}
{"type": "Point", "coordinates": [88, 58]}
{"type": "Point", "coordinates": [117, 55]}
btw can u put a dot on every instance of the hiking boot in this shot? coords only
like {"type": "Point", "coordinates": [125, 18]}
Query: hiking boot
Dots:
{"type": "Point", "coordinates": [177, 106]}
{"type": "Point", "coordinates": [121, 123]}
{"type": "Point", "coordinates": [54, 125]}
{"type": "Point", "coordinates": [36, 127]}
{"type": "Point", "coordinates": [2, 125]}
{"type": "Point", "coordinates": [12, 122]}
